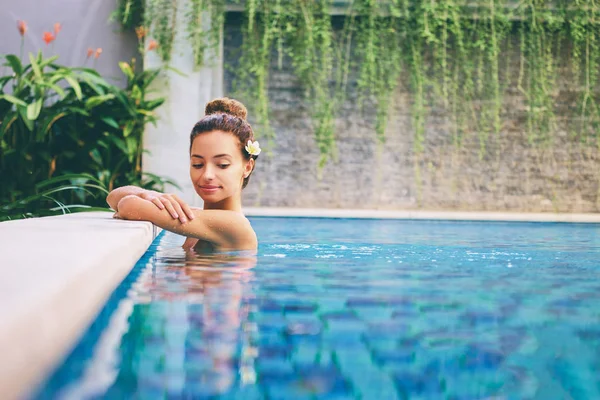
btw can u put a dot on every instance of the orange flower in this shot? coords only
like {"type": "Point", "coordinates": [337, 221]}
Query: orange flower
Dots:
{"type": "Point", "coordinates": [57, 28]}
{"type": "Point", "coordinates": [141, 31]}
{"type": "Point", "coordinates": [90, 52]}
{"type": "Point", "coordinates": [22, 27]}
{"type": "Point", "coordinates": [152, 45]}
{"type": "Point", "coordinates": [98, 52]}
{"type": "Point", "coordinates": [48, 37]}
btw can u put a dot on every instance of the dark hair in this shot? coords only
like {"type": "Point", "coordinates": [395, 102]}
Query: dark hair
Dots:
{"type": "Point", "coordinates": [226, 115]}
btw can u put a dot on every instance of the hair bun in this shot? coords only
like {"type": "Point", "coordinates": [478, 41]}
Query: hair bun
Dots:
{"type": "Point", "coordinates": [226, 106]}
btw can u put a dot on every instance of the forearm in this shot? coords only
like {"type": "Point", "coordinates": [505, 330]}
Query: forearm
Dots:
{"type": "Point", "coordinates": [222, 228]}
{"type": "Point", "coordinates": [117, 194]}
{"type": "Point", "coordinates": [134, 208]}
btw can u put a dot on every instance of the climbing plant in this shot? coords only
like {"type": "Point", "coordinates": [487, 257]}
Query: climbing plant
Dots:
{"type": "Point", "coordinates": [456, 55]}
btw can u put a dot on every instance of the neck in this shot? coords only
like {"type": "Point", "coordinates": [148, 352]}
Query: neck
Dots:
{"type": "Point", "coordinates": [233, 203]}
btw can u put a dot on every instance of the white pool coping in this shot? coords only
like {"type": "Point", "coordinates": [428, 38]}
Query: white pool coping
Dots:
{"type": "Point", "coordinates": [421, 215]}
{"type": "Point", "coordinates": [56, 273]}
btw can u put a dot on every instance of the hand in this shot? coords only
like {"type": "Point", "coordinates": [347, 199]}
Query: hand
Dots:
{"type": "Point", "coordinates": [172, 203]}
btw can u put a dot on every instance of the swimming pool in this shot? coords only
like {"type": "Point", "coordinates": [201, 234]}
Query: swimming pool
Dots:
{"type": "Point", "coordinates": [340, 308]}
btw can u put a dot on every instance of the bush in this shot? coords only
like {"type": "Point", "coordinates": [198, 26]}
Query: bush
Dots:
{"type": "Point", "coordinates": [56, 120]}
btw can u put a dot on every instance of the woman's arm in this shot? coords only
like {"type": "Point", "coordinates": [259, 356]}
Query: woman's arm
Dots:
{"type": "Point", "coordinates": [176, 207]}
{"type": "Point", "coordinates": [225, 229]}
{"type": "Point", "coordinates": [117, 194]}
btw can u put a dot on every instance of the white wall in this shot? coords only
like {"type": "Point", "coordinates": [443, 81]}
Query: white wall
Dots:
{"type": "Point", "coordinates": [168, 143]}
{"type": "Point", "coordinates": [85, 23]}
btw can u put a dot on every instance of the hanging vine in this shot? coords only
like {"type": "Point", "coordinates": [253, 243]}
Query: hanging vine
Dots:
{"type": "Point", "coordinates": [537, 68]}
{"type": "Point", "coordinates": [311, 50]}
{"type": "Point", "coordinates": [455, 55]}
{"type": "Point", "coordinates": [584, 30]}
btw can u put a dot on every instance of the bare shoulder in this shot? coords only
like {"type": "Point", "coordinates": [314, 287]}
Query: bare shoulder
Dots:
{"type": "Point", "coordinates": [232, 225]}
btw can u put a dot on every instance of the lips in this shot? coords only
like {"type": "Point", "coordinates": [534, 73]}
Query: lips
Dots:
{"type": "Point", "coordinates": [209, 188]}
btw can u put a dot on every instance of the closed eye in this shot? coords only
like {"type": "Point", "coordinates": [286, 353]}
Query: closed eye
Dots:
{"type": "Point", "coordinates": [197, 166]}
{"type": "Point", "coordinates": [223, 166]}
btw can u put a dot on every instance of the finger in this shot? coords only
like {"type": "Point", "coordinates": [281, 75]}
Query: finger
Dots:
{"type": "Point", "coordinates": [178, 209]}
{"type": "Point", "coordinates": [169, 208]}
{"type": "Point", "coordinates": [185, 208]}
{"type": "Point", "coordinates": [158, 203]}
{"type": "Point", "coordinates": [188, 211]}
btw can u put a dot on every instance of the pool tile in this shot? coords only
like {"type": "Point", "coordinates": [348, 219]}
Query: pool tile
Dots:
{"type": "Point", "coordinates": [477, 357]}
{"type": "Point", "coordinates": [417, 385]}
{"type": "Point", "coordinates": [394, 357]}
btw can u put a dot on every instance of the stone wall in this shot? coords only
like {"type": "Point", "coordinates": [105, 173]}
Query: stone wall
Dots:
{"type": "Point", "coordinates": [513, 175]}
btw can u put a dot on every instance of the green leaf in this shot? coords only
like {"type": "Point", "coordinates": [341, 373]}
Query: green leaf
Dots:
{"type": "Point", "coordinates": [97, 100]}
{"type": "Point", "coordinates": [6, 123]}
{"type": "Point", "coordinates": [88, 72]}
{"type": "Point", "coordinates": [110, 122]}
{"type": "Point", "coordinates": [4, 80]}
{"type": "Point", "coordinates": [78, 110]}
{"type": "Point", "coordinates": [120, 143]}
{"type": "Point", "coordinates": [47, 124]}
{"type": "Point", "coordinates": [13, 99]}
{"type": "Point", "coordinates": [152, 104]}
{"type": "Point", "coordinates": [136, 93]}
{"type": "Point", "coordinates": [146, 113]}
{"type": "Point", "coordinates": [66, 177]}
{"type": "Point", "coordinates": [56, 88]}
{"type": "Point", "coordinates": [131, 147]}
{"type": "Point", "coordinates": [15, 63]}
{"type": "Point", "coordinates": [35, 67]}
{"type": "Point", "coordinates": [96, 156]}
{"type": "Point", "coordinates": [126, 101]}
{"type": "Point", "coordinates": [48, 61]}
{"type": "Point", "coordinates": [75, 85]}
{"type": "Point", "coordinates": [83, 207]}
{"type": "Point", "coordinates": [126, 68]}
{"type": "Point", "coordinates": [149, 76]}
{"type": "Point", "coordinates": [33, 110]}
{"type": "Point", "coordinates": [128, 129]}
{"type": "Point", "coordinates": [23, 112]}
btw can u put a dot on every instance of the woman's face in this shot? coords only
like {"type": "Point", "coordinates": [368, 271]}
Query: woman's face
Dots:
{"type": "Point", "coordinates": [217, 167]}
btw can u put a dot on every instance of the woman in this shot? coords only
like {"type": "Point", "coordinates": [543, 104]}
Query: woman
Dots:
{"type": "Point", "coordinates": [222, 158]}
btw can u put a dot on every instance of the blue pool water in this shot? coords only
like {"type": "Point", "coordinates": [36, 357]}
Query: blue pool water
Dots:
{"type": "Point", "coordinates": [343, 309]}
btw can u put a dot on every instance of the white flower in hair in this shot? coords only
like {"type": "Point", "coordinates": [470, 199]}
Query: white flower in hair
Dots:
{"type": "Point", "coordinates": [253, 148]}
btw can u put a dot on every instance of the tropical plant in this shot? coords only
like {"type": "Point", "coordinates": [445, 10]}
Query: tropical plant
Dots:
{"type": "Point", "coordinates": [57, 121]}
{"type": "Point", "coordinates": [45, 200]}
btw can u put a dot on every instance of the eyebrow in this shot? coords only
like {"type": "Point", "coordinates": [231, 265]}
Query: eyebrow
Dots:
{"type": "Point", "coordinates": [217, 156]}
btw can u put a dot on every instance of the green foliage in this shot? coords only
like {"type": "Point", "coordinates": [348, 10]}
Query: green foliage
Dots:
{"type": "Point", "coordinates": [57, 121]}
{"type": "Point", "coordinates": [454, 55]}
{"type": "Point", "coordinates": [129, 13]}
{"type": "Point", "coordinates": [45, 199]}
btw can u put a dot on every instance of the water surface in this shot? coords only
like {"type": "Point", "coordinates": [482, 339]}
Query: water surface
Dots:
{"type": "Point", "coordinates": [342, 309]}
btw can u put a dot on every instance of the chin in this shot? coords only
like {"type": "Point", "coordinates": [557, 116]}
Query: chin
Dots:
{"type": "Point", "coordinates": [212, 198]}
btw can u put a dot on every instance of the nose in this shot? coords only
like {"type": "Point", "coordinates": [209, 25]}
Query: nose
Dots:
{"type": "Point", "coordinates": [209, 173]}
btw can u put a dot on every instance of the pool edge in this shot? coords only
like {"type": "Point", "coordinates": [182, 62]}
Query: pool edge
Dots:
{"type": "Point", "coordinates": [421, 215]}
{"type": "Point", "coordinates": [63, 293]}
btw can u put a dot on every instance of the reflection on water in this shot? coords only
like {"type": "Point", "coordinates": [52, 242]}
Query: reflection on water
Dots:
{"type": "Point", "coordinates": [354, 309]}
{"type": "Point", "coordinates": [182, 330]}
